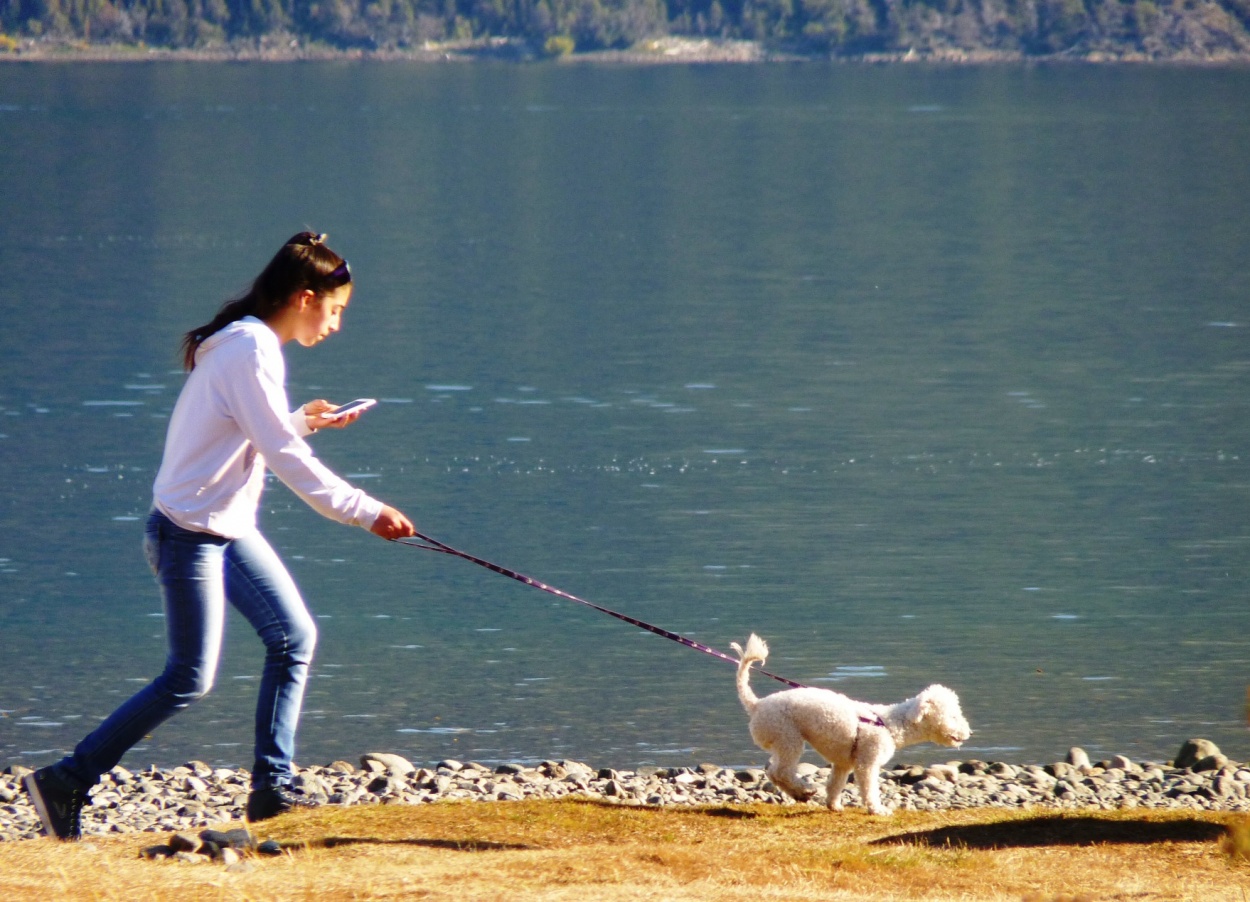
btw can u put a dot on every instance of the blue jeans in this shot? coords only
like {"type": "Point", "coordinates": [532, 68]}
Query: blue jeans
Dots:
{"type": "Point", "coordinates": [198, 573]}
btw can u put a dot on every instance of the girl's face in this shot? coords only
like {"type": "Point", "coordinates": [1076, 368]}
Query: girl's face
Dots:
{"type": "Point", "coordinates": [320, 317]}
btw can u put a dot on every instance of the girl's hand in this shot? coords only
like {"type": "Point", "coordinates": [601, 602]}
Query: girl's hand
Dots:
{"type": "Point", "coordinates": [391, 525]}
{"type": "Point", "coordinates": [313, 411]}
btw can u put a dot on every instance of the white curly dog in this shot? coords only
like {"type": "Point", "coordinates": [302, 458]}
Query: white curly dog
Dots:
{"type": "Point", "coordinates": [850, 735]}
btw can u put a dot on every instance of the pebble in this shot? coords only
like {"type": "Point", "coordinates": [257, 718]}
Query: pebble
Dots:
{"type": "Point", "coordinates": [184, 801]}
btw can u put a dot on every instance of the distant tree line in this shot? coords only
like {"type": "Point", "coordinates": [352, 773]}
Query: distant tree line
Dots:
{"type": "Point", "coordinates": [846, 27]}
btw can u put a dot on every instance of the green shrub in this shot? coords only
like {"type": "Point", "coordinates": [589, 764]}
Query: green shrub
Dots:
{"type": "Point", "coordinates": [1145, 16]}
{"type": "Point", "coordinates": [559, 45]}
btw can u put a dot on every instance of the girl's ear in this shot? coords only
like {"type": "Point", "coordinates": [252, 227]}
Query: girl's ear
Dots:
{"type": "Point", "coordinates": [303, 298]}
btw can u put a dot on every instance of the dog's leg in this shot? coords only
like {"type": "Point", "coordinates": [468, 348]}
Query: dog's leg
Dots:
{"type": "Point", "coordinates": [783, 764]}
{"type": "Point", "coordinates": [867, 779]}
{"type": "Point", "coordinates": [838, 775]}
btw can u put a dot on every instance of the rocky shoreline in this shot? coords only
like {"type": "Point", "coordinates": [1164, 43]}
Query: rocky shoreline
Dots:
{"type": "Point", "coordinates": [654, 51]}
{"type": "Point", "coordinates": [195, 796]}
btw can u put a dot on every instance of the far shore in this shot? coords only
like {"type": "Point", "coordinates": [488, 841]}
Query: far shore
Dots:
{"type": "Point", "coordinates": [656, 51]}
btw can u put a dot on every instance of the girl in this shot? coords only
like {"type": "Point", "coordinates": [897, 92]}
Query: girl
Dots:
{"type": "Point", "coordinates": [231, 421]}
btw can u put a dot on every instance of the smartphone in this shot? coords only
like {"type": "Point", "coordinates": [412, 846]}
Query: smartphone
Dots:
{"type": "Point", "coordinates": [349, 407]}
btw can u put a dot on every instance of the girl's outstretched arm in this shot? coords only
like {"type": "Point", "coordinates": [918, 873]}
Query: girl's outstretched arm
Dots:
{"type": "Point", "coordinates": [391, 524]}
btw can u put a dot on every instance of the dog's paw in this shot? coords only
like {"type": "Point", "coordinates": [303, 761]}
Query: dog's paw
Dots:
{"type": "Point", "coordinates": [880, 810]}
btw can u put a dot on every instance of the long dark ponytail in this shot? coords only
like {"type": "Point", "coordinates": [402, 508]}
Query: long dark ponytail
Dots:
{"type": "Point", "coordinates": [303, 263]}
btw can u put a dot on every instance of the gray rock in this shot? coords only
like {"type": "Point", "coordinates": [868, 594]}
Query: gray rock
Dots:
{"type": "Point", "coordinates": [1125, 764]}
{"type": "Point", "coordinates": [1193, 751]}
{"type": "Point", "coordinates": [1077, 757]}
{"type": "Point", "coordinates": [383, 786]}
{"type": "Point", "coordinates": [396, 764]}
{"type": "Point", "coordinates": [309, 784]}
{"type": "Point", "coordinates": [229, 839]}
{"type": "Point", "coordinates": [1062, 770]}
{"type": "Point", "coordinates": [576, 781]}
{"type": "Point", "coordinates": [1210, 762]}
{"type": "Point", "coordinates": [185, 842]}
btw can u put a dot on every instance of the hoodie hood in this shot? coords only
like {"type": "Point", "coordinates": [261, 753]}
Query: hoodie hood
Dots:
{"type": "Point", "coordinates": [229, 332]}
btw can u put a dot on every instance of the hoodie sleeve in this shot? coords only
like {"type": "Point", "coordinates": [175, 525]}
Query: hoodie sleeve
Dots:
{"type": "Point", "coordinates": [257, 398]}
{"type": "Point", "coordinates": [299, 422]}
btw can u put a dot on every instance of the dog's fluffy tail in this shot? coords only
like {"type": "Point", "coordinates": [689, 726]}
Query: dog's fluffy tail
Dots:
{"type": "Point", "coordinates": [756, 650]}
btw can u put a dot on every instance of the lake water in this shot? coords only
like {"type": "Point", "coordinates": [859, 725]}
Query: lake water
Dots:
{"type": "Point", "coordinates": [923, 374]}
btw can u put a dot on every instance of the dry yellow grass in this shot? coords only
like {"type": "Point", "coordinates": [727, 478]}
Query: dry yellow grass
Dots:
{"type": "Point", "coordinates": [583, 850]}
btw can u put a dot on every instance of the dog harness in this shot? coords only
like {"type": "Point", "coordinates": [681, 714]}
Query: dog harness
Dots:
{"type": "Point", "coordinates": [865, 721]}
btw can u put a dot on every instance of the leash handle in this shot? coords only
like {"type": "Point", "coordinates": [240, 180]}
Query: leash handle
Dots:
{"type": "Point", "coordinates": [431, 544]}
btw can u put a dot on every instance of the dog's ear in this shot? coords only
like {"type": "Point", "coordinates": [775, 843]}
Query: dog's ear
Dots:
{"type": "Point", "coordinates": [936, 700]}
{"type": "Point", "coordinates": [927, 702]}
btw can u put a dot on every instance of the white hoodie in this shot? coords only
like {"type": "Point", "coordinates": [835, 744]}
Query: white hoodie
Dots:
{"type": "Point", "coordinates": [229, 423]}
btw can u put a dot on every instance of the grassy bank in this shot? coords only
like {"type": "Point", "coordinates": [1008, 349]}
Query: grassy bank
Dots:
{"type": "Point", "coordinates": [572, 850]}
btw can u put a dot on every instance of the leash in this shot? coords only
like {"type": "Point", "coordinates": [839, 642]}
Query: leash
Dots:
{"type": "Point", "coordinates": [429, 544]}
